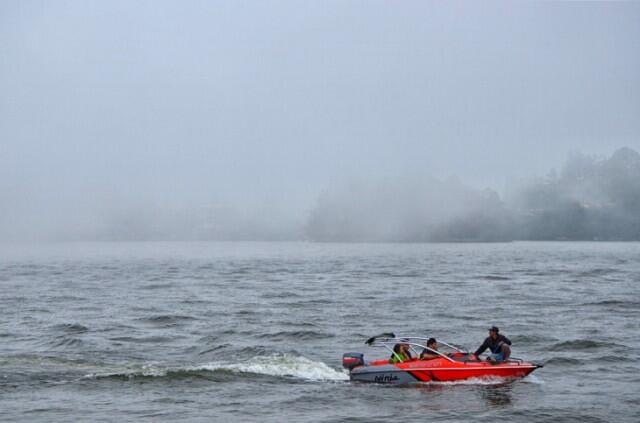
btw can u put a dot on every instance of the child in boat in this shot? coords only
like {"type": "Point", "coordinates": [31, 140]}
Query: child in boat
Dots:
{"type": "Point", "coordinates": [400, 354]}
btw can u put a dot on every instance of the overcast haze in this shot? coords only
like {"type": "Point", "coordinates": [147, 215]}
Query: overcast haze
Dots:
{"type": "Point", "coordinates": [116, 113]}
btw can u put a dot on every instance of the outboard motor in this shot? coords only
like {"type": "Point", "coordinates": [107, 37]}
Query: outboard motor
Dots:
{"type": "Point", "coordinates": [351, 360]}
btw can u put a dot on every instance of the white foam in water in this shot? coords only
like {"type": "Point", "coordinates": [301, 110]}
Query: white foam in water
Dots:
{"type": "Point", "coordinates": [151, 369]}
{"type": "Point", "coordinates": [472, 381]}
{"type": "Point", "coordinates": [275, 365]}
{"type": "Point", "coordinates": [487, 381]}
{"type": "Point", "coordinates": [281, 365]}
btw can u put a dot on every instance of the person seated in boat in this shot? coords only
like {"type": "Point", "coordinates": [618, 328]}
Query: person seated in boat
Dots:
{"type": "Point", "coordinates": [400, 354]}
{"type": "Point", "coordinates": [428, 354]}
{"type": "Point", "coordinates": [498, 345]}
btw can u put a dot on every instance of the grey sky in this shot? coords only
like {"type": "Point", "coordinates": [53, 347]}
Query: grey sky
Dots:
{"type": "Point", "coordinates": [266, 103]}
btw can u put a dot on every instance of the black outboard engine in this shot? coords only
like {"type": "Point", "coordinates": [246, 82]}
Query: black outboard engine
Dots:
{"type": "Point", "coordinates": [351, 360]}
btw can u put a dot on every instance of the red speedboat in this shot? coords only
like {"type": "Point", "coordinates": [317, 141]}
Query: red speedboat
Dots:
{"type": "Point", "coordinates": [446, 367]}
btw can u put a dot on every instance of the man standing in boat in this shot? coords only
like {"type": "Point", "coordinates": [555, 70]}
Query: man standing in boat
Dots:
{"type": "Point", "coordinates": [498, 344]}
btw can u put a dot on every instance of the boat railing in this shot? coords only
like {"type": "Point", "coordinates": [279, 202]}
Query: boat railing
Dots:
{"type": "Point", "coordinates": [453, 347]}
{"type": "Point", "coordinates": [389, 340]}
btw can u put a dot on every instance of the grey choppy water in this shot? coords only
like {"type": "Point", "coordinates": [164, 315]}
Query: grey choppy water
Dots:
{"type": "Point", "coordinates": [255, 331]}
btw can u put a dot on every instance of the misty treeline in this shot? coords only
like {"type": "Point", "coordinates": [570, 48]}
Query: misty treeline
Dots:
{"type": "Point", "coordinates": [589, 199]}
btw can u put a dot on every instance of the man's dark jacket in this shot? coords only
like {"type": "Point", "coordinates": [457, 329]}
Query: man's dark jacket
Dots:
{"type": "Point", "coordinates": [493, 344]}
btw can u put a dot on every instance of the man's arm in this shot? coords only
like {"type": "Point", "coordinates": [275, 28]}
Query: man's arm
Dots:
{"type": "Point", "coordinates": [482, 347]}
{"type": "Point", "coordinates": [506, 340]}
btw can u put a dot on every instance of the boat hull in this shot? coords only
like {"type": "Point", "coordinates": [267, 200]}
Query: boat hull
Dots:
{"type": "Point", "coordinates": [439, 370]}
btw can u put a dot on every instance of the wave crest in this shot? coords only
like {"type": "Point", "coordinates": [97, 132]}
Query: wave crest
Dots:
{"type": "Point", "coordinates": [281, 365]}
{"type": "Point", "coordinates": [278, 365]}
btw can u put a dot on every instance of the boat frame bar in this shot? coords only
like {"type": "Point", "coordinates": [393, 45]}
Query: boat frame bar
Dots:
{"type": "Point", "coordinates": [453, 347]}
{"type": "Point", "coordinates": [387, 342]}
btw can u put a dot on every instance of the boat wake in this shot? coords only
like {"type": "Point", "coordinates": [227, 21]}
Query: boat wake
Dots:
{"type": "Point", "coordinates": [282, 365]}
{"type": "Point", "coordinates": [489, 380]}
{"type": "Point", "coordinates": [276, 365]}
{"type": "Point", "coordinates": [471, 381]}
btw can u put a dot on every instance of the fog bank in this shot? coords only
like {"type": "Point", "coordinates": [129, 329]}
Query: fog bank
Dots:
{"type": "Point", "coordinates": [410, 210]}
{"type": "Point", "coordinates": [321, 120]}
{"type": "Point", "coordinates": [590, 199]}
